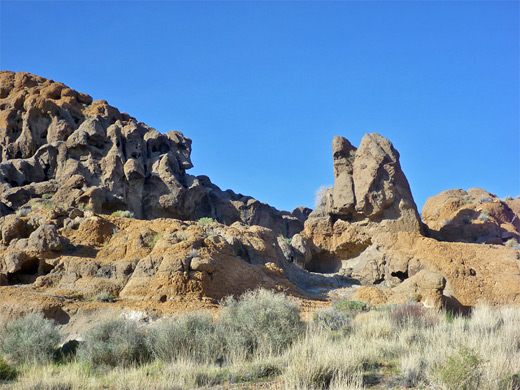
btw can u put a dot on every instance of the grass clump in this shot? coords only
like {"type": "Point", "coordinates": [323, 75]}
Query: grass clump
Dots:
{"type": "Point", "coordinates": [30, 339]}
{"type": "Point", "coordinates": [260, 320]}
{"type": "Point", "coordinates": [114, 343]}
{"type": "Point", "coordinates": [205, 220]}
{"type": "Point", "coordinates": [123, 214]}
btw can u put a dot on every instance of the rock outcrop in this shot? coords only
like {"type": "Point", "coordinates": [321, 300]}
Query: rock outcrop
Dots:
{"type": "Point", "coordinates": [60, 146]}
{"type": "Point", "coordinates": [370, 200]}
{"type": "Point", "coordinates": [475, 216]}
{"type": "Point", "coordinates": [367, 228]}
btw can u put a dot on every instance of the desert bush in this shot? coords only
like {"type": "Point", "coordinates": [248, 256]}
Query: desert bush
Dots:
{"type": "Point", "coordinates": [320, 196]}
{"type": "Point", "coordinates": [352, 308]}
{"type": "Point", "coordinates": [330, 319]}
{"type": "Point", "coordinates": [259, 319]}
{"type": "Point", "coordinates": [104, 296]}
{"type": "Point", "coordinates": [7, 373]}
{"type": "Point", "coordinates": [461, 371]}
{"type": "Point", "coordinates": [412, 313]}
{"type": "Point", "coordinates": [123, 214]}
{"type": "Point", "coordinates": [205, 220]}
{"type": "Point", "coordinates": [191, 336]}
{"type": "Point", "coordinates": [114, 343]}
{"type": "Point", "coordinates": [512, 243]}
{"type": "Point", "coordinates": [484, 216]}
{"type": "Point", "coordinates": [30, 339]}
{"type": "Point", "coordinates": [485, 199]}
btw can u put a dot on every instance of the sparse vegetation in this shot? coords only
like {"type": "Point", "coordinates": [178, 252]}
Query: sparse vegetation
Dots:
{"type": "Point", "coordinates": [30, 339]}
{"type": "Point", "coordinates": [485, 199]}
{"type": "Point", "coordinates": [123, 214]}
{"type": "Point", "coordinates": [42, 205]}
{"type": "Point", "coordinates": [46, 196]}
{"type": "Point", "coordinates": [205, 220]}
{"type": "Point", "coordinates": [484, 216]}
{"type": "Point", "coordinates": [104, 296]}
{"type": "Point", "coordinates": [114, 343]}
{"type": "Point", "coordinates": [287, 240]}
{"type": "Point", "coordinates": [260, 320]}
{"type": "Point", "coordinates": [320, 195]}
{"type": "Point", "coordinates": [259, 337]}
{"type": "Point", "coordinates": [461, 371]}
{"type": "Point", "coordinates": [191, 337]}
{"type": "Point", "coordinates": [513, 243]}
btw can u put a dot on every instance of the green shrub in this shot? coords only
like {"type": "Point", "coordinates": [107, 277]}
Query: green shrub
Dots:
{"type": "Point", "coordinates": [330, 319]}
{"type": "Point", "coordinates": [104, 296]}
{"type": "Point", "coordinates": [412, 313]}
{"type": "Point", "coordinates": [462, 371]}
{"type": "Point", "coordinates": [7, 373]}
{"type": "Point", "coordinates": [46, 196]}
{"type": "Point", "coordinates": [485, 199]}
{"type": "Point", "coordinates": [205, 220]}
{"type": "Point", "coordinates": [114, 343]}
{"type": "Point", "coordinates": [352, 308]}
{"type": "Point", "coordinates": [123, 214]}
{"type": "Point", "coordinates": [511, 382]}
{"type": "Point", "coordinates": [30, 339]}
{"type": "Point", "coordinates": [190, 336]}
{"type": "Point", "coordinates": [259, 319]}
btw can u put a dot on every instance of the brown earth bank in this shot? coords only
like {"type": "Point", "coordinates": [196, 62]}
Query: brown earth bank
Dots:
{"type": "Point", "coordinates": [68, 163]}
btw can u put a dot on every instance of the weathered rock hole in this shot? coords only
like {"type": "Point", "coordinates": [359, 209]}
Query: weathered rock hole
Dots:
{"type": "Point", "coordinates": [26, 275]}
{"type": "Point", "coordinates": [323, 266]}
{"type": "Point", "coordinates": [402, 276]}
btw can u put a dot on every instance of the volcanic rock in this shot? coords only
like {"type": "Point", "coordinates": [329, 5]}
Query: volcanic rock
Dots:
{"type": "Point", "coordinates": [58, 144]}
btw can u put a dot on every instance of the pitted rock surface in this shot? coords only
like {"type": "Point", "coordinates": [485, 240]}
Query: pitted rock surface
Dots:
{"type": "Point", "coordinates": [59, 143]}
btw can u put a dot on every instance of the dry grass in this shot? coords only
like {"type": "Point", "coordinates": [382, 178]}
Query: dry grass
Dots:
{"type": "Point", "coordinates": [428, 350]}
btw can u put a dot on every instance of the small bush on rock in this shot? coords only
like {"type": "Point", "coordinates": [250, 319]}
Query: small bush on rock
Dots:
{"type": "Point", "coordinates": [205, 220]}
{"type": "Point", "coordinates": [30, 339]}
{"type": "Point", "coordinates": [123, 214]}
{"type": "Point", "coordinates": [114, 343]}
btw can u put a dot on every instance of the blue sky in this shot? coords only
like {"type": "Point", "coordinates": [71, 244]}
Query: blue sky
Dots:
{"type": "Point", "coordinates": [262, 87]}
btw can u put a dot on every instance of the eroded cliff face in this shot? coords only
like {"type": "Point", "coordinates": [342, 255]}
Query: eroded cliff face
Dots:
{"type": "Point", "coordinates": [370, 200]}
{"type": "Point", "coordinates": [367, 229]}
{"type": "Point", "coordinates": [59, 144]}
{"type": "Point", "coordinates": [68, 162]}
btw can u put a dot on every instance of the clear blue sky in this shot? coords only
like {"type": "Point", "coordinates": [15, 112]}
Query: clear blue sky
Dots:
{"type": "Point", "coordinates": [262, 87]}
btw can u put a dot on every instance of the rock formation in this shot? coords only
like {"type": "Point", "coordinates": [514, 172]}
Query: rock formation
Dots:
{"type": "Point", "coordinates": [474, 216]}
{"type": "Point", "coordinates": [367, 228]}
{"type": "Point", "coordinates": [370, 199]}
{"type": "Point", "coordinates": [58, 144]}
{"type": "Point", "coordinates": [68, 162]}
